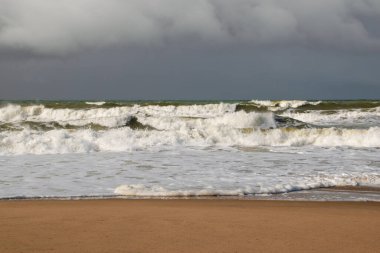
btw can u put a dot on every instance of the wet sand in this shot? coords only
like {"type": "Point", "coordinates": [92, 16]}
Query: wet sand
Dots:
{"type": "Point", "coordinates": [117, 225]}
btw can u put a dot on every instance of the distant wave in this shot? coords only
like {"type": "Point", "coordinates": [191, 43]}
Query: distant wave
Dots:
{"type": "Point", "coordinates": [282, 104]}
{"type": "Point", "coordinates": [301, 105]}
{"type": "Point", "coordinates": [346, 118]}
{"type": "Point", "coordinates": [96, 103]}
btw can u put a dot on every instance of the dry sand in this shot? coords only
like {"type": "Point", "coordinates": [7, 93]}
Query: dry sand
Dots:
{"type": "Point", "coordinates": [188, 226]}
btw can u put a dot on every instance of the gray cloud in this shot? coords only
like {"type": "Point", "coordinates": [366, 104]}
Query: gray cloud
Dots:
{"type": "Point", "coordinates": [57, 27]}
{"type": "Point", "coordinates": [174, 73]}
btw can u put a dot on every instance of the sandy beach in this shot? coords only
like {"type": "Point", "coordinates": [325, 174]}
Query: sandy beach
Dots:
{"type": "Point", "coordinates": [188, 226]}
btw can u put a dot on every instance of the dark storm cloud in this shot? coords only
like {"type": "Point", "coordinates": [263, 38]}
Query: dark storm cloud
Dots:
{"type": "Point", "coordinates": [61, 26]}
{"type": "Point", "coordinates": [174, 73]}
{"type": "Point", "coordinates": [189, 49]}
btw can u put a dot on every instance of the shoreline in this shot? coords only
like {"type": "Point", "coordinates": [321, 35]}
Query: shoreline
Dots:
{"type": "Point", "coordinates": [328, 194]}
{"type": "Point", "coordinates": [197, 225]}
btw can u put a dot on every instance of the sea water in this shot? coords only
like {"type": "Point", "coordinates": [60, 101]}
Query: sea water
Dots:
{"type": "Point", "coordinates": [186, 148]}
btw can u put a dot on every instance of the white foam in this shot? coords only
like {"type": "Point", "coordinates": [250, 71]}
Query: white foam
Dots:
{"type": "Point", "coordinates": [354, 117]}
{"type": "Point", "coordinates": [192, 134]}
{"type": "Point", "coordinates": [96, 103]}
{"type": "Point", "coordinates": [188, 125]}
{"type": "Point", "coordinates": [195, 150]}
{"type": "Point", "coordinates": [186, 171]}
{"type": "Point", "coordinates": [283, 104]}
{"type": "Point", "coordinates": [107, 116]}
{"type": "Point", "coordinates": [140, 190]}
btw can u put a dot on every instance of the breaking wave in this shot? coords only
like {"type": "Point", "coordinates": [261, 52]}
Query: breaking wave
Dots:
{"type": "Point", "coordinates": [205, 134]}
{"type": "Point", "coordinates": [27, 128]}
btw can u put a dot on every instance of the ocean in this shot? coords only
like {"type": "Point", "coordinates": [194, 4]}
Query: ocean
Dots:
{"type": "Point", "coordinates": [145, 149]}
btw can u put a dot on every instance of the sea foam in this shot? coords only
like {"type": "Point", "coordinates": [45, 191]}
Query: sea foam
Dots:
{"type": "Point", "coordinates": [140, 190]}
{"type": "Point", "coordinates": [171, 148]}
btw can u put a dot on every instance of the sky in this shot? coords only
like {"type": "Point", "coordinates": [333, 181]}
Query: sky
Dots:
{"type": "Point", "coordinates": [181, 49]}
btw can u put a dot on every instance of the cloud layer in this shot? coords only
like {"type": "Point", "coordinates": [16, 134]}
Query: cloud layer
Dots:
{"type": "Point", "coordinates": [64, 26]}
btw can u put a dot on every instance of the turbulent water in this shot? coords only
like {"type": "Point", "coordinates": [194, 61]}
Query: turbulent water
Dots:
{"type": "Point", "coordinates": [186, 148]}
